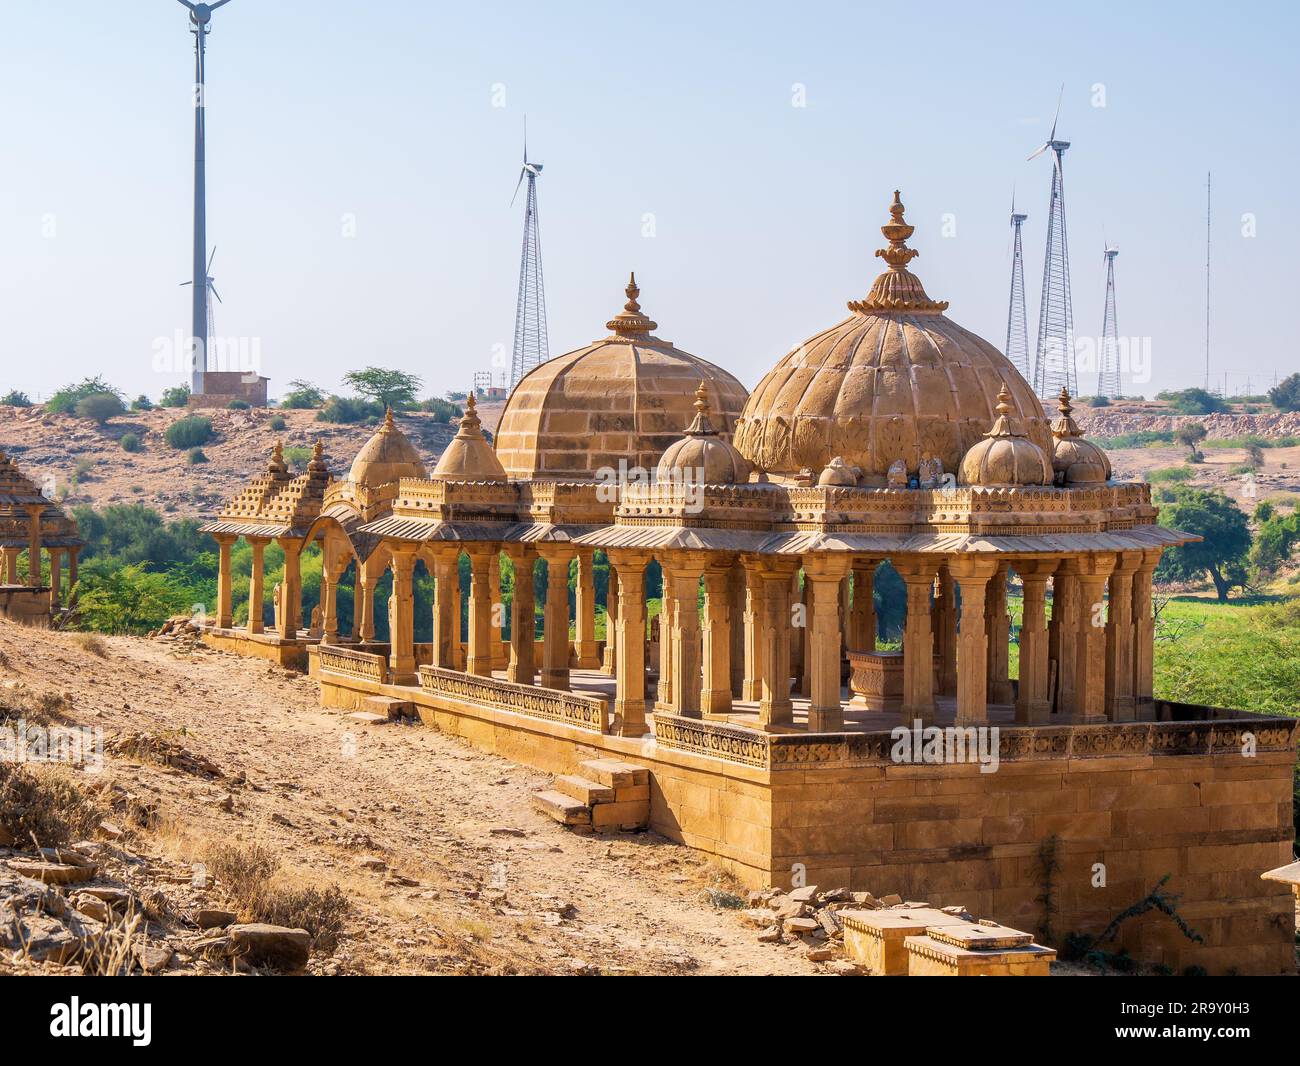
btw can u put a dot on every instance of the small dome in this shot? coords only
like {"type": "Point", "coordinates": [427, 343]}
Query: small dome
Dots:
{"type": "Point", "coordinates": [469, 457]}
{"type": "Point", "coordinates": [839, 474]}
{"type": "Point", "coordinates": [1076, 461]}
{"type": "Point", "coordinates": [895, 380]}
{"type": "Point", "coordinates": [1006, 456]}
{"type": "Point", "coordinates": [386, 457]}
{"type": "Point", "coordinates": [623, 398]}
{"type": "Point", "coordinates": [702, 457]}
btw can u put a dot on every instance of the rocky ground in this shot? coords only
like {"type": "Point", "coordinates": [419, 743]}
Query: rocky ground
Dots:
{"type": "Point", "coordinates": [444, 865]}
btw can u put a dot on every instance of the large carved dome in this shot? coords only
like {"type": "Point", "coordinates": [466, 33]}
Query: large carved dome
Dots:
{"type": "Point", "coordinates": [897, 379]}
{"type": "Point", "coordinates": [625, 397]}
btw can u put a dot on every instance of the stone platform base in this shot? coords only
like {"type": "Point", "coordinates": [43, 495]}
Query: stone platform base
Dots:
{"type": "Point", "coordinates": [291, 654]}
{"type": "Point", "coordinates": [26, 604]}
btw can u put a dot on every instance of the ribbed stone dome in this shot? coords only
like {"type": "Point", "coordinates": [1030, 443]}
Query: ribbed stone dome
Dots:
{"type": "Point", "coordinates": [386, 457]}
{"type": "Point", "coordinates": [897, 379]}
{"type": "Point", "coordinates": [702, 456]}
{"type": "Point", "coordinates": [1005, 456]}
{"type": "Point", "coordinates": [623, 398]}
{"type": "Point", "coordinates": [1076, 461]}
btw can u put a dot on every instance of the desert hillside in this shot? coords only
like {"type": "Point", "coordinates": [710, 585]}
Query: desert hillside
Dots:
{"type": "Point", "coordinates": [441, 862]}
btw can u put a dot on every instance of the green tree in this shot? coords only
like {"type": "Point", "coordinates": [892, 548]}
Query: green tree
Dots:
{"type": "Point", "coordinates": [1222, 551]}
{"type": "Point", "coordinates": [15, 398]}
{"type": "Point", "coordinates": [1193, 402]}
{"type": "Point", "coordinates": [1189, 435]}
{"type": "Point", "coordinates": [302, 395]}
{"type": "Point", "coordinates": [1285, 395]}
{"type": "Point", "coordinates": [392, 388]}
{"type": "Point", "coordinates": [66, 399]}
{"type": "Point", "coordinates": [176, 396]}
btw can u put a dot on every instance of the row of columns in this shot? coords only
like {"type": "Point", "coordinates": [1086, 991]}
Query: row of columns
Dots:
{"type": "Point", "coordinates": [9, 560]}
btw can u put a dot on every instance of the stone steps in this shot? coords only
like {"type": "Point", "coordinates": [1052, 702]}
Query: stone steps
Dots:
{"type": "Point", "coordinates": [390, 707]}
{"type": "Point", "coordinates": [606, 794]}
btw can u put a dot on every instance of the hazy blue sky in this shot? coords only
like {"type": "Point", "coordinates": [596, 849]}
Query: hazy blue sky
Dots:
{"type": "Point", "coordinates": [765, 214]}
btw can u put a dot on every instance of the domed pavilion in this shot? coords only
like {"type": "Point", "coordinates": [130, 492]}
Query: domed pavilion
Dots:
{"type": "Point", "coordinates": [763, 699]}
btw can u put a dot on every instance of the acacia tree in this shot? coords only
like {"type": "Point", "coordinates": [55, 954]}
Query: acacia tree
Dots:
{"type": "Point", "coordinates": [1222, 551]}
{"type": "Point", "coordinates": [1190, 435]}
{"type": "Point", "coordinates": [392, 388]}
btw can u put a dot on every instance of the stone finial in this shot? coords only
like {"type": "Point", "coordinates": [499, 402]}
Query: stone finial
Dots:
{"type": "Point", "coordinates": [388, 425]}
{"type": "Point", "coordinates": [898, 289]}
{"type": "Point", "coordinates": [470, 423]}
{"type": "Point", "coordinates": [630, 322]}
{"type": "Point", "coordinates": [1065, 425]}
{"type": "Point", "coordinates": [701, 425]}
{"type": "Point", "coordinates": [277, 465]}
{"type": "Point", "coordinates": [318, 468]}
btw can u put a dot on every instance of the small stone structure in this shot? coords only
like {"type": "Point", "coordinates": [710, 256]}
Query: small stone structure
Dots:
{"type": "Point", "coordinates": [30, 522]}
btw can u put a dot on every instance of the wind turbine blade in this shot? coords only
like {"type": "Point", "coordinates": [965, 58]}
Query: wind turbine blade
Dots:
{"type": "Point", "coordinates": [216, 294]}
{"type": "Point", "coordinates": [212, 256]}
{"type": "Point", "coordinates": [1038, 153]}
{"type": "Point", "coordinates": [517, 184]}
{"type": "Point", "coordinates": [525, 140]}
{"type": "Point", "coordinates": [187, 4]}
{"type": "Point", "coordinates": [1058, 111]}
{"type": "Point", "coordinates": [219, 3]}
{"type": "Point", "coordinates": [184, 283]}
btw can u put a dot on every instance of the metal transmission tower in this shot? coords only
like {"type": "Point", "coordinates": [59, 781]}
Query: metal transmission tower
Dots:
{"type": "Point", "coordinates": [531, 345]}
{"type": "Point", "coordinates": [1108, 368]}
{"type": "Point", "coordinates": [1017, 349]}
{"type": "Point", "coordinates": [1054, 356]}
{"type": "Point", "coordinates": [200, 26]}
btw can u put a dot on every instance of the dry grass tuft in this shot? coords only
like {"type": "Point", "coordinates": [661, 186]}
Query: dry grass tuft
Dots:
{"type": "Point", "coordinates": [247, 874]}
{"type": "Point", "coordinates": [93, 643]}
{"type": "Point", "coordinates": [45, 806]}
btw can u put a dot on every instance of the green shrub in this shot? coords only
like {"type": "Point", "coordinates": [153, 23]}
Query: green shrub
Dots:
{"type": "Point", "coordinates": [65, 401]}
{"type": "Point", "coordinates": [302, 395]}
{"type": "Point", "coordinates": [14, 398]}
{"type": "Point", "coordinates": [1171, 473]}
{"type": "Point", "coordinates": [189, 432]}
{"type": "Point", "coordinates": [238, 405]}
{"type": "Point", "coordinates": [142, 403]}
{"type": "Point", "coordinates": [1193, 402]}
{"type": "Point", "coordinates": [100, 407]}
{"type": "Point", "coordinates": [1098, 401]}
{"type": "Point", "coordinates": [195, 456]}
{"type": "Point", "coordinates": [277, 423]}
{"type": "Point", "coordinates": [346, 410]}
{"type": "Point", "coordinates": [442, 410]}
{"type": "Point", "coordinates": [176, 396]}
{"type": "Point", "coordinates": [1141, 438]}
{"type": "Point", "coordinates": [298, 458]}
{"type": "Point", "coordinates": [1285, 396]}
{"type": "Point", "coordinates": [130, 442]}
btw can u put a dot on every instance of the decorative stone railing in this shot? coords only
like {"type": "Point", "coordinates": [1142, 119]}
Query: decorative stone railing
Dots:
{"type": "Point", "coordinates": [1219, 732]}
{"type": "Point", "coordinates": [553, 705]}
{"type": "Point", "coordinates": [363, 665]}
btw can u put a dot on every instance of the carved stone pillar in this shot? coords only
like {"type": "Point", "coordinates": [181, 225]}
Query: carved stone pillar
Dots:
{"type": "Point", "coordinates": [736, 594]}
{"type": "Point", "coordinates": [479, 659]}
{"type": "Point", "coordinates": [56, 577]}
{"type": "Point", "coordinates": [330, 573]}
{"type": "Point", "coordinates": [1064, 633]}
{"type": "Point", "coordinates": [11, 565]}
{"type": "Point", "coordinates": [752, 685]}
{"type": "Point", "coordinates": [918, 640]}
{"type": "Point", "coordinates": [862, 616]}
{"type": "Point", "coordinates": [1090, 668]}
{"type": "Point", "coordinates": [1144, 637]}
{"type": "Point", "coordinates": [774, 706]}
{"type": "Point", "coordinates": [523, 623]}
{"type": "Point", "coordinates": [683, 605]}
{"type": "Point", "coordinates": [609, 659]}
{"type": "Point", "coordinates": [1032, 706]}
{"type": "Point", "coordinates": [256, 583]}
{"type": "Point", "coordinates": [291, 590]}
{"type": "Point", "coordinates": [225, 604]}
{"type": "Point", "coordinates": [555, 618]}
{"type": "Point", "coordinates": [629, 676]}
{"type": "Point", "coordinates": [585, 650]}
{"type": "Point", "coordinates": [946, 633]}
{"type": "Point", "coordinates": [823, 574]}
{"type": "Point", "coordinates": [715, 695]}
{"type": "Point", "coordinates": [34, 545]}
{"type": "Point", "coordinates": [972, 574]}
{"type": "Point", "coordinates": [401, 658]}
{"type": "Point", "coordinates": [1120, 640]}
{"type": "Point", "coordinates": [446, 627]}
{"type": "Point", "coordinates": [997, 627]}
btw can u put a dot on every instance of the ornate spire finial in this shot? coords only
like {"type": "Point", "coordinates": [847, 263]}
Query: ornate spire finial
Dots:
{"type": "Point", "coordinates": [470, 424]}
{"type": "Point", "coordinates": [1006, 424]}
{"type": "Point", "coordinates": [630, 322]}
{"type": "Point", "coordinates": [897, 289]}
{"type": "Point", "coordinates": [388, 418]}
{"type": "Point", "coordinates": [277, 464]}
{"type": "Point", "coordinates": [701, 425]}
{"type": "Point", "coordinates": [318, 468]}
{"type": "Point", "coordinates": [1065, 425]}
{"type": "Point", "coordinates": [1004, 400]}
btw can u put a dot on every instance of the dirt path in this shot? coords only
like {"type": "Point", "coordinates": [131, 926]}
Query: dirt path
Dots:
{"type": "Point", "coordinates": [326, 793]}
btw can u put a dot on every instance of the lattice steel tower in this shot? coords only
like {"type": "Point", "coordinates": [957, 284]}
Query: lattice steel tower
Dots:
{"type": "Point", "coordinates": [1108, 366]}
{"type": "Point", "coordinates": [531, 344]}
{"type": "Point", "coordinates": [1054, 355]}
{"type": "Point", "coordinates": [1017, 349]}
